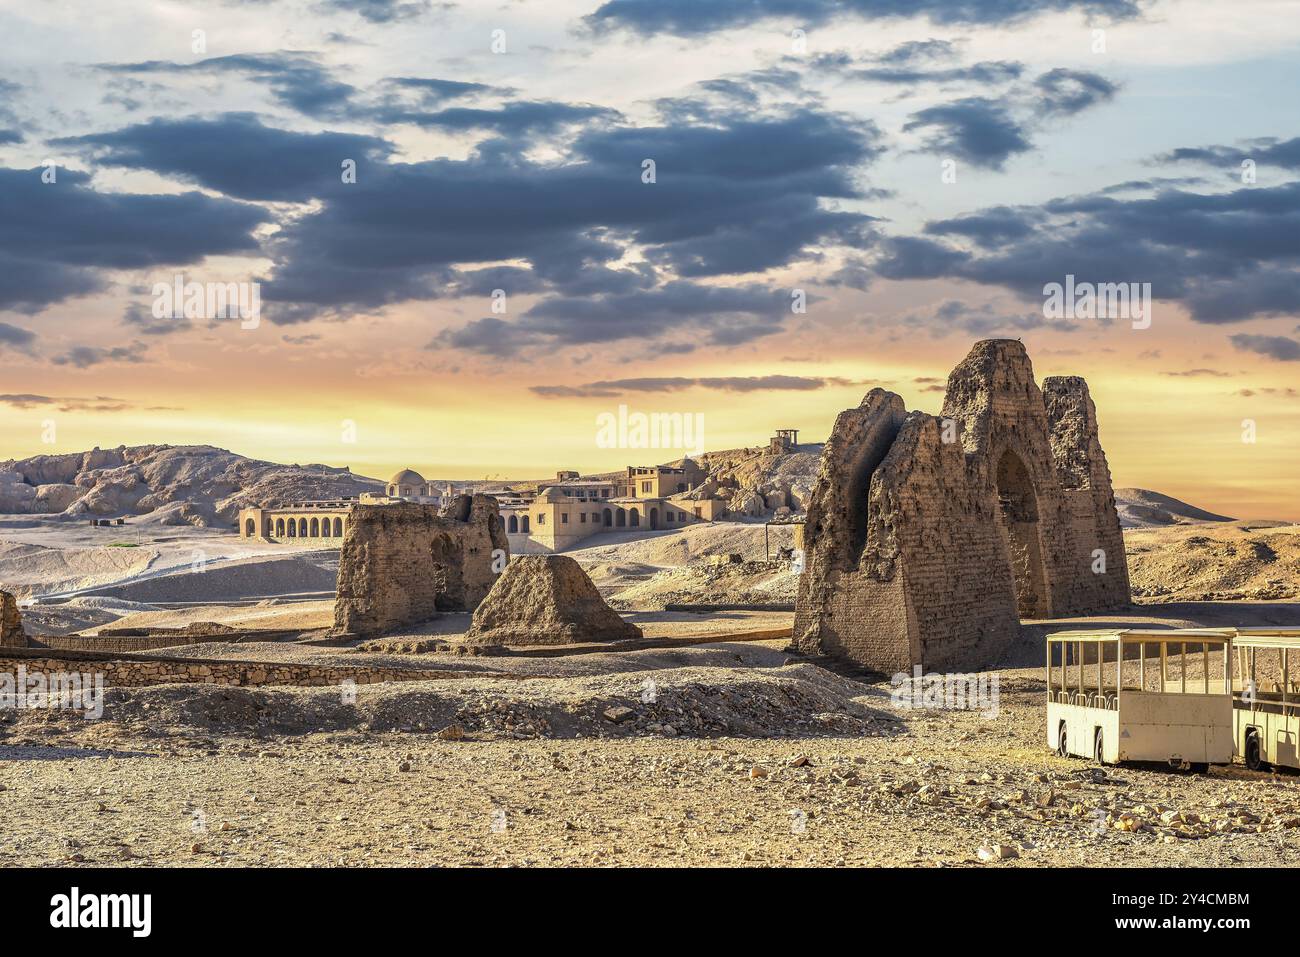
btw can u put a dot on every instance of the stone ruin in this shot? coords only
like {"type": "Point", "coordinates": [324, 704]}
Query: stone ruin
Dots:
{"type": "Point", "coordinates": [546, 600]}
{"type": "Point", "coordinates": [11, 623]}
{"type": "Point", "coordinates": [403, 563]}
{"type": "Point", "coordinates": [928, 538]}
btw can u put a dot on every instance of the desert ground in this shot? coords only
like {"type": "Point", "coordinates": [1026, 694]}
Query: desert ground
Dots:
{"type": "Point", "coordinates": [707, 752]}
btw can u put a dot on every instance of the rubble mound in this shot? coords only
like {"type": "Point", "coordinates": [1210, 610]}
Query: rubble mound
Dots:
{"type": "Point", "coordinates": [546, 600]}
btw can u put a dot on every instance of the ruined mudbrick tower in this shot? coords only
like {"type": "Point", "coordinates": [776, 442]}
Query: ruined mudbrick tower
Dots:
{"type": "Point", "coordinates": [928, 538]}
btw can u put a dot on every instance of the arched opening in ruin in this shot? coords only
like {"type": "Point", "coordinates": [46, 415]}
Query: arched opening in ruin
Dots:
{"type": "Point", "coordinates": [634, 518]}
{"type": "Point", "coordinates": [293, 529]}
{"type": "Point", "coordinates": [270, 528]}
{"type": "Point", "coordinates": [609, 518]}
{"type": "Point", "coordinates": [338, 528]}
{"type": "Point", "coordinates": [512, 524]}
{"type": "Point", "coordinates": [279, 528]}
{"type": "Point", "coordinates": [302, 528]}
{"type": "Point", "coordinates": [523, 524]}
{"type": "Point", "coordinates": [622, 518]}
{"type": "Point", "coordinates": [1018, 514]}
{"type": "Point", "coordinates": [654, 519]}
{"type": "Point", "coordinates": [250, 528]}
{"type": "Point", "coordinates": [315, 528]}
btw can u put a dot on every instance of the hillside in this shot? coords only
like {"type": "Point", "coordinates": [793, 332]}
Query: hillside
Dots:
{"type": "Point", "coordinates": [1143, 508]}
{"type": "Point", "coordinates": [171, 485]}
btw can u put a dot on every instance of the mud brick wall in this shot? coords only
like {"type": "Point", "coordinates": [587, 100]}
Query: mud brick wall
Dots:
{"type": "Point", "coordinates": [1085, 476]}
{"type": "Point", "coordinates": [402, 564]}
{"type": "Point", "coordinates": [11, 623]}
{"type": "Point", "coordinates": [927, 539]}
{"type": "Point", "coordinates": [124, 672]}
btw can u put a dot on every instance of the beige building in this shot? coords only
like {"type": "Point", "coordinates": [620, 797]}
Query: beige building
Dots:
{"type": "Point", "coordinates": [569, 511]}
{"type": "Point", "coordinates": [551, 518]}
{"type": "Point", "coordinates": [325, 522]}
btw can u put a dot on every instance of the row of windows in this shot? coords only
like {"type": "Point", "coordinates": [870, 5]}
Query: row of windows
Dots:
{"type": "Point", "coordinates": [297, 528]}
{"type": "Point", "coordinates": [609, 518]}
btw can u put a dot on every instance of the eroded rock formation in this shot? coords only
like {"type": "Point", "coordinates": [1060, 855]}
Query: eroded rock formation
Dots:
{"type": "Point", "coordinates": [928, 538]}
{"type": "Point", "coordinates": [11, 623]}
{"type": "Point", "coordinates": [402, 564]}
{"type": "Point", "coordinates": [546, 600]}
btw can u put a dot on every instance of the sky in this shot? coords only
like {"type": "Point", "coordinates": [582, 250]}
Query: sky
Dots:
{"type": "Point", "coordinates": [475, 228]}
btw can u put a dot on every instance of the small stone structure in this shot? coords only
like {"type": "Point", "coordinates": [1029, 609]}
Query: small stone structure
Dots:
{"type": "Point", "coordinates": [11, 623]}
{"type": "Point", "coordinates": [403, 563]}
{"type": "Point", "coordinates": [928, 538]}
{"type": "Point", "coordinates": [546, 600]}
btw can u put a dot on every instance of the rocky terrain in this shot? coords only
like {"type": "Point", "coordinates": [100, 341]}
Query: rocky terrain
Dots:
{"type": "Point", "coordinates": [1219, 562]}
{"type": "Point", "coordinates": [164, 484]}
{"type": "Point", "coordinates": [731, 755]}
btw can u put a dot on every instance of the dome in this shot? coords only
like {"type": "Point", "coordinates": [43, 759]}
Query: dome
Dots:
{"type": "Point", "coordinates": [407, 477]}
{"type": "Point", "coordinates": [552, 494]}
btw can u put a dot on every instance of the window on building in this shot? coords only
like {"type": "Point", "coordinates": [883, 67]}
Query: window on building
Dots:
{"type": "Point", "coordinates": [541, 519]}
{"type": "Point", "coordinates": [668, 515]}
{"type": "Point", "coordinates": [647, 486]}
{"type": "Point", "coordinates": [564, 518]}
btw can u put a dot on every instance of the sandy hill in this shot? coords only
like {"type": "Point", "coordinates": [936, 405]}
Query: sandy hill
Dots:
{"type": "Point", "coordinates": [1143, 508]}
{"type": "Point", "coordinates": [169, 484]}
{"type": "Point", "coordinates": [1215, 562]}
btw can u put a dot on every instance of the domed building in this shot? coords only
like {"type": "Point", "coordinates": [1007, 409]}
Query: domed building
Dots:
{"type": "Point", "coordinates": [407, 483]}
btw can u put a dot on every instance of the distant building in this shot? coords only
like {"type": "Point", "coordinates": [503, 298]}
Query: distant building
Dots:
{"type": "Point", "coordinates": [325, 522]}
{"type": "Point", "coordinates": [785, 440]}
{"type": "Point", "coordinates": [566, 512]}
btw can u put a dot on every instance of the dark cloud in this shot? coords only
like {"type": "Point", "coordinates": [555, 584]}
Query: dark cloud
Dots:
{"type": "Point", "coordinates": [381, 11]}
{"type": "Point", "coordinates": [434, 91]}
{"type": "Point", "coordinates": [1268, 151]}
{"type": "Point", "coordinates": [296, 80]}
{"type": "Point", "coordinates": [83, 357]}
{"type": "Point", "coordinates": [511, 119]}
{"type": "Point", "coordinates": [10, 136]}
{"type": "Point", "coordinates": [13, 337]}
{"type": "Point", "coordinates": [1281, 348]}
{"type": "Point", "coordinates": [1226, 256]}
{"type": "Point", "coordinates": [56, 238]}
{"type": "Point", "coordinates": [236, 154]}
{"type": "Point", "coordinates": [693, 17]}
{"type": "Point", "coordinates": [976, 129]}
{"type": "Point", "coordinates": [990, 227]}
{"type": "Point", "coordinates": [98, 403]}
{"type": "Point", "coordinates": [611, 388]}
{"type": "Point", "coordinates": [728, 200]}
{"type": "Point", "coordinates": [724, 315]}
{"type": "Point", "coordinates": [1066, 92]}
{"type": "Point", "coordinates": [1199, 374]}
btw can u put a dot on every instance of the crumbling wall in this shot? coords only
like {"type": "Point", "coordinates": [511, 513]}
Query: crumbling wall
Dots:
{"type": "Point", "coordinates": [1090, 496]}
{"type": "Point", "coordinates": [11, 623]}
{"type": "Point", "coordinates": [404, 563]}
{"type": "Point", "coordinates": [928, 538]}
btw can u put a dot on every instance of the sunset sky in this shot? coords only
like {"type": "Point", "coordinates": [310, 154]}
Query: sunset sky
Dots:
{"type": "Point", "coordinates": [919, 169]}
